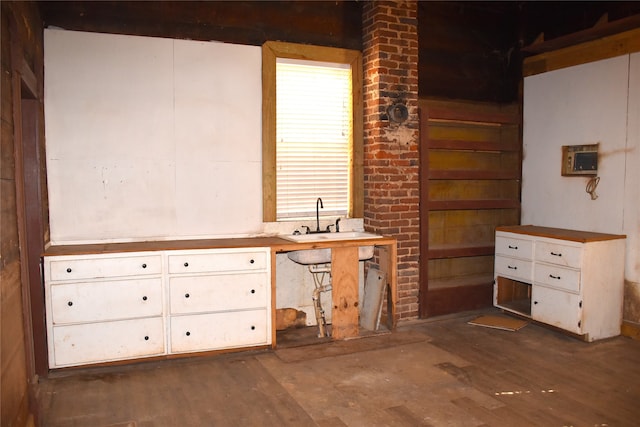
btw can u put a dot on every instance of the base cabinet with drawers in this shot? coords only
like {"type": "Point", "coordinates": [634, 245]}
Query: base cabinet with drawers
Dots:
{"type": "Point", "coordinates": [218, 300]}
{"type": "Point", "coordinates": [570, 279]}
{"type": "Point", "coordinates": [118, 306]}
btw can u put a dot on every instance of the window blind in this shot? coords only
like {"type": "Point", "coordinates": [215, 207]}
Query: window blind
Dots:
{"type": "Point", "coordinates": [313, 134]}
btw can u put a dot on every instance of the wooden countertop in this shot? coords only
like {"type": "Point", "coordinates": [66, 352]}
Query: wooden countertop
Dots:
{"type": "Point", "coordinates": [277, 244]}
{"type": "Point", "coordinates": [560, 233]}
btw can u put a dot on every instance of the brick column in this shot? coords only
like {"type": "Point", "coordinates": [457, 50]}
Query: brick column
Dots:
{"type": "Point", "coordinates": [391, 168]}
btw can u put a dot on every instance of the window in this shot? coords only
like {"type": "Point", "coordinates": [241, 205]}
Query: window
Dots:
{"type": "Point", "coordinates": [312, 131]}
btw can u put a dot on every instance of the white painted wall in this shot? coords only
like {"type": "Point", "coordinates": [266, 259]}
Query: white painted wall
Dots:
{"type": "Point", "coordinates": [631, 219]}
{"type": "Point", "coordinates": [585, 104]}
{"type": "Point", "coordinates": [592, 103]}
{"type": "Point", "coordinates": [150, 138]}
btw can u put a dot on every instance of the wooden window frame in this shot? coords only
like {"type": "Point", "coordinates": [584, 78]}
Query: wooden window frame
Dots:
{"type": "Point", "coordinates": [272, 50]}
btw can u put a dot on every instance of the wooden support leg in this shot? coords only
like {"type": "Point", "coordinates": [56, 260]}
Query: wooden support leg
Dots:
{"type": "Point", "coordinates": [344, 279]}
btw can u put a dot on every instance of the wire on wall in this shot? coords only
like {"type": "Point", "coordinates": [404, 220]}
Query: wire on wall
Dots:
{"type": "Point", "coordinates": [591, 187]}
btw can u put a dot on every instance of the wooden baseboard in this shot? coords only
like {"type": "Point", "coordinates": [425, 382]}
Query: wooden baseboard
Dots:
{"type": "Point", "coordinates": [631, 330]}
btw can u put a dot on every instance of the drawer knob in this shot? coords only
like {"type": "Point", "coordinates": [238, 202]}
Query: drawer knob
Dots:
{"type": "Point", "coordinates": [70, 303]}
{"type": "Point", "coordinates": [144, 298]}
{"type": "Point", "coordinates": [513, 247]}
{"type": "Point", "coordinates": [187, 295]}
{"type": "Point", "coordinates": [68, 270]}
{"type": "Point", "coordinates": [556, 254]}
{"type": "Point", "coordinates": [512, 268]}
{"type": "Point", "coordinates": [188, 333]}
{"type": "Point", "coordinates": [146, 337]}
{"type": "Point", "coordinates": [535, 302]}
{"type": "Point", "coordinates": [253, 291]}
{"type": "Point", "coordinates": [144, 265]}
{"type": "Point", "coordinates": [186, 264]}
{"type": "Point", "coordinates": [554, 277]}
{"type": "Point", "coordinates": [252, 261]}
{"type": "Point", "coordinates": [253, 328]}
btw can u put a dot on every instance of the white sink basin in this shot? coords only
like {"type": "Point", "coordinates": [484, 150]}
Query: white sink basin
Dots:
{"type": "Point", "coordinates": [327, 237]}
{"type": "Point", "coordinates": [323, 256]}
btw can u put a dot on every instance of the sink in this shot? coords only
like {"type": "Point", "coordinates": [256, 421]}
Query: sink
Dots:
{"type": "Point", "coordinates": [327, 237]}
{"type": "Point", "coordinates": [323, 256]}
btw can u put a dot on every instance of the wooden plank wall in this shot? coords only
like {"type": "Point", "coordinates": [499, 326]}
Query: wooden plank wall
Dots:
{"type": "Point", "coordinates": [470, 183]}
{"type": "Point", "coordinates": [21, 50]}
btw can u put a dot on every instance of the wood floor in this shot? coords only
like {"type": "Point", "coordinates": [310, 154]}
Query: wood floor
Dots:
{"type": "Point", "coordinates": [428, 373]}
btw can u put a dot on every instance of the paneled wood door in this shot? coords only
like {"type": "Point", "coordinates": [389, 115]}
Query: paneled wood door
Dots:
{"type": "Point", "coordinates": [471, 157]}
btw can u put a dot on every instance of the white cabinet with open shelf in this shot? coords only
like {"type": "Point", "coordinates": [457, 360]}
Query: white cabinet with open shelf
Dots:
{"type": "Point", "coordinates": [569, 279]}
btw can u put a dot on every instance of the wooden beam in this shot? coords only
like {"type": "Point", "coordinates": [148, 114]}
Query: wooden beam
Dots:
{"type": "Point", "coordinates": [598, 31]}
{"type": "Point", "coordinates": [604, 48]}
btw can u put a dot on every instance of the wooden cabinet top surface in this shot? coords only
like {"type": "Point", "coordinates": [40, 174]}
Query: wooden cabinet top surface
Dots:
{"type": "Point", "coordinates": [277, 244]}
{"type": "Point", "coordinates": [560, 233]}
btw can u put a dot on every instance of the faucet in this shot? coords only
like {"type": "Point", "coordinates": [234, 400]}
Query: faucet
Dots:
{"type": "Point", "coordinates": [336, 225]}
{"type": "Point", "coordinates": [319, 201]}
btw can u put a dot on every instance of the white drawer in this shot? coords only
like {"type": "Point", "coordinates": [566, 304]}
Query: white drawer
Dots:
{"type": "Point", "coordinates": [569, 256]}
{"type": "Point", "coordinates": [514, 247]}
{"type": "Point", "coordinates": [99, 301]}
{"type": "Point", "coordinates": [215, 293]}
{"type": "Point", "coordinates": [219, 330]}
{"type": "Point", "coordinates": [101, 342]}
{"type": "Point", "coordinates": [204, 262]}
{"type": "Point", "coordinates": [557, 277]}
{"type": "Point", "coordinates": [75, 268]}
{"type": "Point", "coordinates": [513, 267]}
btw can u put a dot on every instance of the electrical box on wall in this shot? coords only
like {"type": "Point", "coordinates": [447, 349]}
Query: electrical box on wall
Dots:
{"type": "Point", "coordinates": [580, 160]}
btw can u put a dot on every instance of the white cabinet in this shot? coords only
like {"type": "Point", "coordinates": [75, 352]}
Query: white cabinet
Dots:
{"type": "Point", "coordinates": [108, 307]}
{"type": "Point", "coordinates": [569, 279]}
{"type": "Point", "coordinates": [219, 299]}
{"type": "Point", "coordinates": [101, 308]}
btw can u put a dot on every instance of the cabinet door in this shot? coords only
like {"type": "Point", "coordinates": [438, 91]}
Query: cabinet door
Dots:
{"type": "Point", "coordinates": [557, 308]}
{"type": "Point", "coordinates": [216, 293]}
{"type": "Point", "coordinates": [101, 342]}
{"type": "Point", "coordinates": [99, 301]}
{"type": "Point", "coordinates": [219, 330]}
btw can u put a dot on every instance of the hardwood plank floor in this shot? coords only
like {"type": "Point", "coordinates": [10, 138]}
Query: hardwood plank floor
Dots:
{"type": "Point", "coordinates": [441, 372]}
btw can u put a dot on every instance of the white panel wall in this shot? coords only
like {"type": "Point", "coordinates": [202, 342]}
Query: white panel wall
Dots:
{"type": "Point", "coordinates": [151, 138]}
{"type": "Point", "coordinates": [584, 104]}
{"type": "Point", "coordinates": [218, 111]}
{"type": "Point", "coordinates": [632, 179]}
